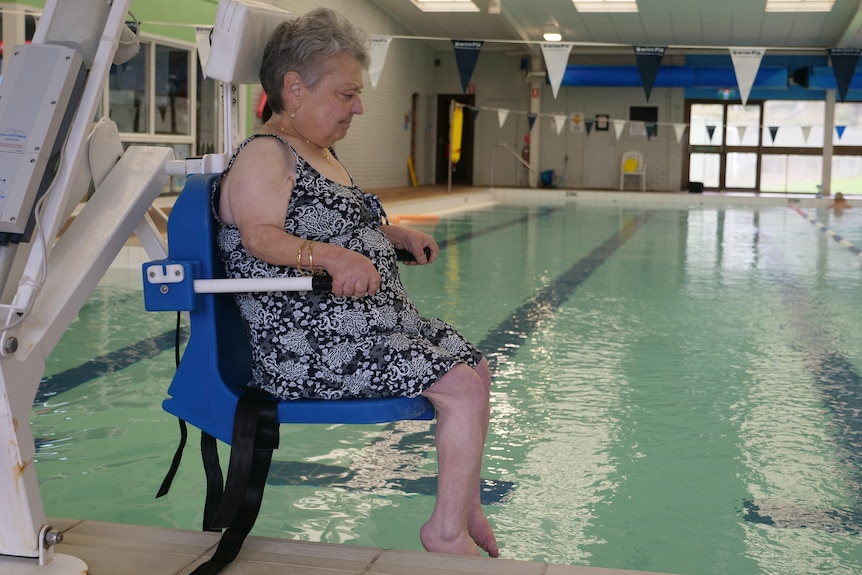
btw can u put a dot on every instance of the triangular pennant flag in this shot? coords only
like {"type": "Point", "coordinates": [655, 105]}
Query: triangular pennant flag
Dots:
{"type": "Point", "coordinates": [805, 131]}
{"type": "Point", "coordinates": [741, 130]}
{"type": "Point", "coordinates": [844, 62]}
{"type": "Point", "coordinates": [651, 131]}
{"type": "Point", "coordinates": [649, 62]}
{"type": "Point", "coordinates": [202, 41]}
{"type": "Point", "coordinates": [710, 131]}
{"type": "Point", "coordinates": [466, 55]}
{"type": "Point", "coordinates": [378, 51]}
{"type": "Point", "coordinates": [502, 115]}
{"type": "Point", "coordinates": [679, 129]}
{"type": "Point", "coordinates": [556, 59]}
{"type": "Point", "coordinates": [840, 131]}
{"type": "Point", "coordinates": [560, 121]}
{"type": "Point", "coordinates": [531, 119]}
{"type": "Point", "coordinates": [475, 114]}
{"type": "Point", "coordinates": [619, 126]}
{"type": "Point", "coordinates": [589, 125]}
{"type": "Point", "coordinates": [773, 131]}
{"type": "Point", "coordinates": [746, 63]}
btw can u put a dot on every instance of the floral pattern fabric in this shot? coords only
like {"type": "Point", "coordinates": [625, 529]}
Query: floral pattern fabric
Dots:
{"type": "Point", "coordinates": [317, 345]}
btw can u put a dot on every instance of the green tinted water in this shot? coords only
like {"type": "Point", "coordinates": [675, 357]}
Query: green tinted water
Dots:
{"type": "Point", "coordinates": [686, 401]}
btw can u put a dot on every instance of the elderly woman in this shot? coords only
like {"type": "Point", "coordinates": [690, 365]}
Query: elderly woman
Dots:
{"type": "Point", "coordinates": [286, 206]}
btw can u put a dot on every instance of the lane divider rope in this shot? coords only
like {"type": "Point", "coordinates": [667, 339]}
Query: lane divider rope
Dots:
{"type": "Point", "coordinates": [829, 232]}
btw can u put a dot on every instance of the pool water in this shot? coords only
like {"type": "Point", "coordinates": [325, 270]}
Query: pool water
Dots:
{"type": "Point", "coordinates": [676, 389]}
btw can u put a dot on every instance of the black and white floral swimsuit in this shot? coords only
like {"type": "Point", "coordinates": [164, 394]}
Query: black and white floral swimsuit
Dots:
{"type": "Point", "coordinates": [308, 344]}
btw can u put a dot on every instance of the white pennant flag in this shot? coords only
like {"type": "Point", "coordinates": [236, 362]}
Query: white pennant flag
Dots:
{"type": "Point", "coordinates": [619, 126]}
{"type": "Point", "coordinates": [741, 130]}
{"type": "Point", "coordinates": [556, 59]}
{"type": "Point", "coordinates": [501, 116]}
{"type": "Point", "coordinates": [202, 40]}
{"type": "Point", "coordinates": [679, 129]}
{"type": "Point", "coordinates": [746, 63]}
{"type": "Point", "coordinates": [805, 131]}
{"type": "Point", "coordinates": [559, 122]}
{"type": "Point", "coordinates": [379, 49]}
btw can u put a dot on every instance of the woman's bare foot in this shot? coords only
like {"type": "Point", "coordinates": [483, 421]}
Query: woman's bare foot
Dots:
{"type": "Point", "coordinates": [482, 532]}
{"type": "Point", "coordinates": [460, 544]}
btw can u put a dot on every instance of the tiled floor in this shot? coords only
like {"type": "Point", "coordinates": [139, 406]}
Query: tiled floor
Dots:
{"type": "Point", "coordinates": [111, 549]}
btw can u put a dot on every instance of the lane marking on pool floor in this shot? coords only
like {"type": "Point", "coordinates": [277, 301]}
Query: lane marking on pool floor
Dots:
{"type": "Point", "coordinates": [839, 383]}
{"type": "Point", "coordinates": [503, 342]}
{"type": "Point", "coordinates": [844, 243]}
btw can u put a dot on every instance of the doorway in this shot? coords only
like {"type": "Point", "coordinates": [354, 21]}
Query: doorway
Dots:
{"type": "Point", "coordinates": [724, 145]}
{"type": "Point", "coordinates": [462, 172]}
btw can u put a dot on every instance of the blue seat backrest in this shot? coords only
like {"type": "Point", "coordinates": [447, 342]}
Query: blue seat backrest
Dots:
{"type": "Point", "coordinates": [216, 364]}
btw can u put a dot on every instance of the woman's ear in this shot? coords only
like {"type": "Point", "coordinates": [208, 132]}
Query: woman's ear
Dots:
{"type": "Point", "coordinates": [291, 83]}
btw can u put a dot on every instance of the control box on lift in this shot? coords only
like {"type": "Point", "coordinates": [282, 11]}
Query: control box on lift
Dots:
{"type": "Point", "coordinates": [38, 82]}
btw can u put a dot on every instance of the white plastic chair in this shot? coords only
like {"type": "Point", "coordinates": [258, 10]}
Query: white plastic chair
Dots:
{"type": "Point", "coordinates": [632, 164]}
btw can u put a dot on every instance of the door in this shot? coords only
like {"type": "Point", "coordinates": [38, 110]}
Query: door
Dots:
{"type": "Point", "coordinates": [462, 172]}
{"type": "Point", "coordinates": [601, 159]}
{"type": "Point", "coordinates": [724, 142]}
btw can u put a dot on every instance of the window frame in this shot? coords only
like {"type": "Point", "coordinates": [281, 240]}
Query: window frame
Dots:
{"type": "Point", "coordinates": [150, 136]}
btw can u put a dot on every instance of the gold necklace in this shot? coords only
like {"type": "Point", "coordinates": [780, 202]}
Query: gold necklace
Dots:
{"type": "Point", "coordinates": [323, 151]}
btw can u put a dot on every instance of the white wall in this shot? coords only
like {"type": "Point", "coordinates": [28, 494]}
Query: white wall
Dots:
{"type": "Point", "coordinates": [378, 145]}
{"type": "Point", "coordinates": [594, 158]}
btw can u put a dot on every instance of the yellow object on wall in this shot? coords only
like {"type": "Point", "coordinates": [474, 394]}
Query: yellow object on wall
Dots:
{"type": "Point", "coordinates": [455, 132]}
{"type": "Point", "coordinates": [630, 165]}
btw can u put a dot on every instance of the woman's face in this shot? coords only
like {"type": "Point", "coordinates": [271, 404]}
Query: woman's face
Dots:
{"type": "Point", "coordinates": [330, 106]}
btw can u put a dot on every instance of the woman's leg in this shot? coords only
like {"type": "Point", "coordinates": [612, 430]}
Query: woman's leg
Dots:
{"type": "Point", "coordinates": [478, 526]}
{"type": "Point", "coordinates": [458, 523]}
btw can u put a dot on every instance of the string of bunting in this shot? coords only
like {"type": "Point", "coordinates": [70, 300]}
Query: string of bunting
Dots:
{"type": "Point", "coordinates": [745, 60]}
{"type": "Point", "coordinates": [746, 64]}
{"type": "Point", "coordinates": [649, 129]}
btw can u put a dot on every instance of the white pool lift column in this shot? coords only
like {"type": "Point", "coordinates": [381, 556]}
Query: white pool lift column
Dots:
{"type": "Point", "coordinates": [49, 95]}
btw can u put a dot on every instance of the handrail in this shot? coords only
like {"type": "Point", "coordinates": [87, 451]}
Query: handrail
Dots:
{"type": "Point", "coordinates": [514, 153]}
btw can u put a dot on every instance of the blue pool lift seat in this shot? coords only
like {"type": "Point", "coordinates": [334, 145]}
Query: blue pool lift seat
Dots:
{"type": "Point", "coordinates": [209, 389]}
{"type": "Point", "coordinates": [216, 364]}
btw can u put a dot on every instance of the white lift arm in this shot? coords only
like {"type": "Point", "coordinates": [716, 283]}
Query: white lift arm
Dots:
{"type": "Point", "coordinates": [49, 96]}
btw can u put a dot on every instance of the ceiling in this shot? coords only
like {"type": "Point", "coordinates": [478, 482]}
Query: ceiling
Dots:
{"type": "Point", "coordinates": [683, 26]}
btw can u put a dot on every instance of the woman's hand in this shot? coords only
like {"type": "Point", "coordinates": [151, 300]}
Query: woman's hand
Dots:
{"type": "Point", "coordinates": [353, 274]}
{"type": "Point", "coordinates": [413, 241]}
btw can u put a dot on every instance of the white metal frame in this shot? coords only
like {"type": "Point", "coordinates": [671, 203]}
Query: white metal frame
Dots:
{"type": "Point", "coordinates": [75, 262]}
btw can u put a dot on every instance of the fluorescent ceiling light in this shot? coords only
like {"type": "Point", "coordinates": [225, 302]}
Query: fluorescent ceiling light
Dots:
{"type": "Point", "coordinates": [553, 36]}
{"type": "Point", "coordinates": [799, 5]}
{"type": "Point", "coordinates": [606, 5]}
{"type": "Point", "coordinates": [446, 5]}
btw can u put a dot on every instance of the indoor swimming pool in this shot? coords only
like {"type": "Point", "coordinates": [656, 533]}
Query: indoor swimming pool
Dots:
{"type": "Point", "coordinates": [677, 388]}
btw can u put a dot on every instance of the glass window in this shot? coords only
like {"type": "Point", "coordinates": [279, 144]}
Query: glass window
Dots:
{"type": "Point", "coordinates": [847, 174]}
{"type": "Point", "coordinates": [705, 168]}
{"type": "Point", "coordinates": [707, 121]}
{"type": "Point", "coordinates": [207, 111]}
{"type": "Point", "coordinates": [128, 99]}
{"type": "Point", "coordinates": [848, 125]}
{"type": "Point", "coordinates": [173, 107]}
{"type": "Point", "coordinates": [743, 125]}
{"type": "Point", "coordinates": [741, 172]}
{"type": "Point", "coordinates": [793, 123]}
{"type": "Point", "coordinates": [790, 174]}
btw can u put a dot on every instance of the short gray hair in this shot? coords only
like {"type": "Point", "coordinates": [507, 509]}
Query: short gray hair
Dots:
{"type": "Point", "coordinates": [304, 45]}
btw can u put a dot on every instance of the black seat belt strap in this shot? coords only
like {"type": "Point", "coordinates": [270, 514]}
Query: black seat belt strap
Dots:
{"type": "Point", "coordinates": [175, 464]}
{"type": "Point", "coordinates": [257, 416]}
{"type": "Point", "coordinates": [215, 480]}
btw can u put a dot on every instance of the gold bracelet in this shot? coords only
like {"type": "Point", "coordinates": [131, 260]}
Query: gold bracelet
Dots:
{"type": "Point", "coordinates": [311, 256]}
{"type": "Point", "coordinates": [299, 257]}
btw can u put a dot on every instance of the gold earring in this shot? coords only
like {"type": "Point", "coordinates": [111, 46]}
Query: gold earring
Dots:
{"type": "Point", "coordinates": [293, 112]}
